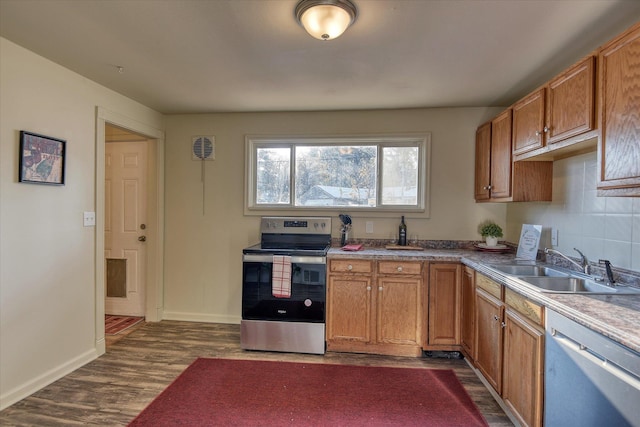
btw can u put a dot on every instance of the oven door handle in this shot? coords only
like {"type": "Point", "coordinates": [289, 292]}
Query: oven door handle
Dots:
{"type": "Point", "coordinates": [294, 259]}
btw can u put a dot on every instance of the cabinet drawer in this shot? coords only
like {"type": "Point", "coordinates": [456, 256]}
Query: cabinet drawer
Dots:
{"type": "Point", "coordinates": [400, 267]}
{"type": "Point", "coordinates": [350, 266]}
{"type": "Point", "coordinates": [527, 308]}
{"type": "Point", "coordinates": [489, 285]}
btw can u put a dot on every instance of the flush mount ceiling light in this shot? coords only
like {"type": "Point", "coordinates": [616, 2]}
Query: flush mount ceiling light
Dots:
{"type": "Point", "coordinates": [326, 19]}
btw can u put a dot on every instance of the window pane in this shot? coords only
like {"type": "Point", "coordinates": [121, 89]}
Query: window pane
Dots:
{"type": "Point", "coordinates": [335, 175]}
{"type": "Point", "coordinates": [272, 186]}
{"type": "Point", "coordinates": [400, 175]}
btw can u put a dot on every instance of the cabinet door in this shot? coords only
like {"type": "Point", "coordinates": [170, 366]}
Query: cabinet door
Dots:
{"type": "Point", "coordinates": [483, 162]}
{"type": "Point", "coordinates": [528, 123]}
{"type": "Point", "coordinates": [467, 311]}
{"type": "Point", "coordinates": [570, 103]}
{"type": "Point", "coordinates": [349, 308]}
{"type": "Point", "coordinates": [398, 310]}
{"type": "Point", "coordinates": [523, 369]}
{"type": "Point", "coordinates": [489, 311]}
{"type": "Point", "coordinates": [444, 304]}
{"type": "Point", "coordinates": [501, 161]}
{"type": "Point", "coordinates": [619, 147]}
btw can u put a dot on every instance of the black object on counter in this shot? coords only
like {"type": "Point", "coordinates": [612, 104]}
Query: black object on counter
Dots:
{"type": "Point", "coordinates": [402, 233]}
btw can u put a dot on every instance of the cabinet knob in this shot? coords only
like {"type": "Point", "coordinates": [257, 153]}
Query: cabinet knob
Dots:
{"type": "Point", "coordinates": [538, 133]}
{"type": "Point", "coordinates": [350, 267]}
{"type": "Point", "coordinates": [380, 288]}
{"type": "Point", "coordinates": [496, 318]}
{"type": "Point", "coordinates": [400, 268]}
{"type": "Point", "coordinates": [546, 129]}
{"type": "Point", "coordinates": [368, 288]}
{"type": "Point", "coordinates": [503, 325]}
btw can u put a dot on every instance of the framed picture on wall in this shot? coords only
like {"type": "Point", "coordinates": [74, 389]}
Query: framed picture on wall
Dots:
{"type": "Point", "coordinates": [42, 159]}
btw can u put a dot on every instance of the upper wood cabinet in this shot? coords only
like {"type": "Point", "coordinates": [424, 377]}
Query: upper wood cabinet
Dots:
{"type": "Point", "coordinates": [483, 163]}
{"type": "Point", "coordinates": [562, 109]}
{"type": "Point", "coordinates": [498, 178]}
{"type": "Point", "coordinates": [528, 122]}
{"type": "Point", "coordinates": [619, 116]}
{"type": "Point", "coordinates": [493, 159]}
{"type": "Point", "coordinates": [570, 103]}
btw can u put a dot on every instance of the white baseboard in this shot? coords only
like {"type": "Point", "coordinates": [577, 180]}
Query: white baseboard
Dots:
{"type": "Point", "coordinates": [41, 381]}
{"type": "Point", "coordinates": [200, 317]}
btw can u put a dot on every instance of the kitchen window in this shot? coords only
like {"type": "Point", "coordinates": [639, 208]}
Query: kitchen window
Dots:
{"type": "Point", "coordinates": [381, 173]}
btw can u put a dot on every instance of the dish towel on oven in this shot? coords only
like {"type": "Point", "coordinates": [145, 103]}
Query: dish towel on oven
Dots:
{"type": "Point", "coordinates": [281, 276]}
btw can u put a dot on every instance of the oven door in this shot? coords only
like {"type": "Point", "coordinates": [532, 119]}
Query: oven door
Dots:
{"type": "Point", "coordinates": [308, 290]}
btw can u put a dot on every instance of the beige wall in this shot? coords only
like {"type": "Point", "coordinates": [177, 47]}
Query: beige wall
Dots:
{"type": "Point", "coordinates": [47, 267]}
{"type": "Point", "coordinates": [601, 227]}
{"type": "Point", "coordinates": [203, 251]}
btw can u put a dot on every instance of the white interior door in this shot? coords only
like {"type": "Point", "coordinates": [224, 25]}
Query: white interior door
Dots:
{"type": "Point", "coordinates": [125, 224]}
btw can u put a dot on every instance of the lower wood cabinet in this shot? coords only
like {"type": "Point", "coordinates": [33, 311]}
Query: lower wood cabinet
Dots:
{"type": "Point", "coordinates": [510, 348]}
{"type": "Point", "coordinates": [522, 388]}
{"type": "Point", "coordinates": [443, 296]}
{"type": "Point", "coordinates": [489, 333]}
{"type": "Point", "coordinates": [375, 307]}
{"type": "Point", "coordinates": [468, 311]}
{"type": "Point", "coordinates": [349, 310]}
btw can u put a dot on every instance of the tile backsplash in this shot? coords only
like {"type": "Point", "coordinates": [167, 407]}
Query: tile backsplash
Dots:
{"type": "Point", "coordinates": [601, 227]}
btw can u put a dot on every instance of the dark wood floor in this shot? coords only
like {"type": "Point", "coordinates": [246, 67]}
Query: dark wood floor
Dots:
{"type": "Point", "coordinates": [137, 366]}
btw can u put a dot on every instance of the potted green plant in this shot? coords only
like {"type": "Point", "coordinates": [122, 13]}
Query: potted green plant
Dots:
{"type": "Point", "coordinates": [491, 232]}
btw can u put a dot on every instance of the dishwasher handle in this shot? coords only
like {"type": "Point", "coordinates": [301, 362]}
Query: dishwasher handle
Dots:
{"type": "Point", "coordinates": [590, 357]}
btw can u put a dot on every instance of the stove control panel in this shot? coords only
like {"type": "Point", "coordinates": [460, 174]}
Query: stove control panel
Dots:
{"type": "Point", "coordinates": [295, 225]}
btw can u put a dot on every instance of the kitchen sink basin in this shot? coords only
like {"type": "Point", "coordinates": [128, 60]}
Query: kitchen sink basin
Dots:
{"type": "Point", "coordinates": [575, 285]}
{"type": "Point", "coordinates": [528, 270]}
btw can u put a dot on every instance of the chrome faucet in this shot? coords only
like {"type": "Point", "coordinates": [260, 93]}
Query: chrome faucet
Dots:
{"type": "Point", "coordinates": [584, 262]}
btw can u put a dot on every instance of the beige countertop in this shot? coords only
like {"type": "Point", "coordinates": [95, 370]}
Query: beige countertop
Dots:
{"type": "Point", "coordinates": [617, 317]}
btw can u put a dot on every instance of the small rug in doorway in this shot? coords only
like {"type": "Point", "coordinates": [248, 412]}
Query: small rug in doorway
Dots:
{"type": "Point", "coordinates": [113, 325]}
{"type": "Point", "coordinates": [224, 392]}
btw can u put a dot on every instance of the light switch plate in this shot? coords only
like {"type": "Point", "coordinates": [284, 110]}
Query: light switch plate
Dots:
{"type": "Point", "coordinates": [89, 219]}
{"type": "Point", "coordinates": [554, 236]}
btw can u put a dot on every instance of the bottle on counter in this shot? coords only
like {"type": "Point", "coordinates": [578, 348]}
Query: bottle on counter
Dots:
{"type": "Point", "coordinates": [402, 233]}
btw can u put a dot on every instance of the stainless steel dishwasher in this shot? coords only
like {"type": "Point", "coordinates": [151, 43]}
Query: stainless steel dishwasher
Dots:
{"type": "Point", "coordinates": [590, 380]}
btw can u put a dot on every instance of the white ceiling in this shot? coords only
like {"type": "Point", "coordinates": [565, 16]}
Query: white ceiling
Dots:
{"type": "Point", "coordinates": [192, 56]}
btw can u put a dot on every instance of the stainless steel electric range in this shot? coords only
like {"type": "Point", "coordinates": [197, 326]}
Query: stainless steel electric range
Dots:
{"type": "Point", "coordinates": [293, 321]}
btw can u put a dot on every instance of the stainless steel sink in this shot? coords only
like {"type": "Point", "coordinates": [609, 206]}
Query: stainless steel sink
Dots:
{"type": "Point", "coordinates": [528, 270]}
{"type": "Point", "coordinates": [575, 285]}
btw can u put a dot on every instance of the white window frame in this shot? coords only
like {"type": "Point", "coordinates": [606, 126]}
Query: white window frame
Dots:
{"type": "Point", "coordinates": [254, 142]}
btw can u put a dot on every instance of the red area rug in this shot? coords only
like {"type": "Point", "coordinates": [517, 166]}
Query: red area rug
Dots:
{"type": "Point", "coordinates": [113, 325]}
{"type": "Point", "coordinates": [223, 392]}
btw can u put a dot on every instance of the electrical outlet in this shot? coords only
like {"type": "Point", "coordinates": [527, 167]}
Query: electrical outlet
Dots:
{"type": "Point", "coordinates": [89, 219]}
{"type": "Point", "coordinates": [554, 236]}
{"type": "Point", "coordinates": [369, 227]}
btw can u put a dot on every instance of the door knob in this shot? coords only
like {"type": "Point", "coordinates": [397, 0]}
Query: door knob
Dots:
{"type": "Point", "coordinates": [142, 238]}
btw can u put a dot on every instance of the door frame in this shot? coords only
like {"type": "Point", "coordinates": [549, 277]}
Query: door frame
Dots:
{"type": "Point", "coordinates": [155, 244]}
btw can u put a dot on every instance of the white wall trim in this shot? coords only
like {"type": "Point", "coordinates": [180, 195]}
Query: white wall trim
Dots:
{"type": "Point", "coordinates": [200, 317]}
{"type": "Point", "coordinates": [155, 287]}
{"type": "Point", "coordinates": [41, 381]}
